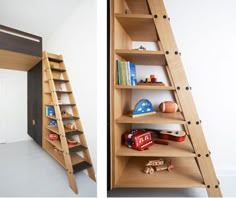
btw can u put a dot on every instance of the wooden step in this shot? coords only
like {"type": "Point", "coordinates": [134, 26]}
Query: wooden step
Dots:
{"type": "Point", "coordinates": [79, 164]}
{"type": "Point", "coordinates": [60, 80]}
{"type": "Point", "coordinates": [58, 69]}
{"type": "Point", "coordinates": [54, 58]}
{"type": "Point", "coordinates": [77, 148]}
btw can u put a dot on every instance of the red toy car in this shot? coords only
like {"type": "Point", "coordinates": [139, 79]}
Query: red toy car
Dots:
{"type": "Point", "coordinates": [138, 139]}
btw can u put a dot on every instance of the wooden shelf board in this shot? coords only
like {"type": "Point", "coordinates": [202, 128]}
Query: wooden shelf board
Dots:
{"type": "Point", "coordinates": [57, 157]}
{"type": "Point", "coordinates": [54, 129]}
{"type": "Point", "coordinates": [140, 27]}
{"type": "Point", "coordinates": [174, 149]}
{"type": "Point", "coordinates": [64, 118]}
{"type": "Point", "coordinates": [145, 57]}
{"type": "Point", "coordinates": [169, 88]}
{"type": "Point", "coordinates": [158, 118]}
{"type": "Point", "coordinates": [17, 61]}
{"type": "Point", "coordinates": [77, 148]}
{"type": "Point", "coordinates": [137, 7]}
{"type": "Point", "coordinates": [55, 143]}
{"type": "Point", "coordinates": [184, 175]}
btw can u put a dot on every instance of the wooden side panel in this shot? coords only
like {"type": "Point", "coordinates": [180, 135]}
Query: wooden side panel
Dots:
{"type": "Point", "coordinates": [35, 103]}
{"type": "Point", "coordinates": [185, 97]}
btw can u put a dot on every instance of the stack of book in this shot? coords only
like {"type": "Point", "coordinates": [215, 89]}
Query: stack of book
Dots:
{"type": "Point", "coordinates": [126, 73]}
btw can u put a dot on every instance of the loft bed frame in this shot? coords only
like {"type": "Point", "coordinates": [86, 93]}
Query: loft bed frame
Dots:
{"type": "Point", "coordinates": [23, 51]}
{"type": "Point", "coordinates": [19, 50]}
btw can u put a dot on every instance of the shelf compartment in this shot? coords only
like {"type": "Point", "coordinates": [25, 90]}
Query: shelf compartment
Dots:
{"type": "Point", "coordinates": [68, 132]}
{"type": "Point", "coordinates": [145, 57]}
{"type": "Point", "coordinates": [140, 27]}
{"type": "Point", "coordinates": [185, 175]}
{"type": "Point", "coordinates": [169, 88]}
{"type": "Point", "coordinates": [64, 118]}
{"type": "Point", "coordinates": [55, 143]}
{"type": "Point", "coordinates": [58, 157]}
{"type": "Point", "coordinates": [174, 149]}
{"type": "Point", "coordinates": [158, 118]}
{"type": "Point", "coordinates": [138, 7]}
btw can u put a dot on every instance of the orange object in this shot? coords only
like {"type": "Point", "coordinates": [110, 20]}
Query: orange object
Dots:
{"type": "Point", "coordinates": [168, 107]}
{"type": "Point", "coordinates": [70, 126]}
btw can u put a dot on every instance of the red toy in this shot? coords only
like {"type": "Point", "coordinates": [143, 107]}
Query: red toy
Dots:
{"type": "Point", "coordinates": [177, 136]}
{"type": "Point", "coordinates": [138, 139]}
{"type": "Point", "coordinates": [168, 107]}
{"type": "Point", "coordinates": [53, 136]}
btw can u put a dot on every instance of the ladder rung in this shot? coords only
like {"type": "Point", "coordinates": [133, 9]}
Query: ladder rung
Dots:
{"type": "Point", "coordinates": [77, 148]}
{"type": "Point", "coordinates": [81, 166]}
{"type": "Point", "coordinates": [56, 60]}
{"type": "Point", "coordinates": [70, 133]}
{"type": "Point", "coordinates": [58, 69]}
{"type": "Point", "coordinates": [60, 80]}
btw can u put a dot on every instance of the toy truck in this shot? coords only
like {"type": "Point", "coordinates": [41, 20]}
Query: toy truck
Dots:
{"type": "Point", "coordinates": [158, 165]}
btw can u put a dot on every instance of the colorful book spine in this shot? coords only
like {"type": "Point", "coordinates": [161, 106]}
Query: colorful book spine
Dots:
{"type": "Point", "coordinates": [119, 72]}
{"type": "Point", "coordinates": [133, 78]}
{"type": "Point", "coordinates": [50, 111]}
{"type": "Point", "coordinates": [128, 73]}
{"type": "Point", "coordinates": [123, 72]}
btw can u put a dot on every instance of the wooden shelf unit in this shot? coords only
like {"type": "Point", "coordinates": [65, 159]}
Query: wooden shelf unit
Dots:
{"type": "Point", "coordinates": [147, 20]}
{"type": "Point", "coordinates": [73, 158]}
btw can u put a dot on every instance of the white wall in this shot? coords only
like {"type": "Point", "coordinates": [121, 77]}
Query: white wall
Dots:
{"type": "Point", "coordinates": [205, 34]}
{"type": "Point", "coordinates": [75, 39]}
{"type": "Point", "coordinates": [13, 106]}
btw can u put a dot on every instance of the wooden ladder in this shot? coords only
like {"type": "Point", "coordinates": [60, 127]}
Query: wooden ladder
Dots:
{"type": "Point", "coordinates": [55, 80]}
{"type": "Point", "coordinates": [183, 96]}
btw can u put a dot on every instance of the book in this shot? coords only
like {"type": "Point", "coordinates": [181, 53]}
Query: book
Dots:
{"type": "Point", "coordinates": [133, 79]}
{"type": "Point", "coordinates": [128, 81]}
{"type": "Point", "coordinates": [119, 72]}
{"type": "Point", "coordinates": [50, 111]}
{"type": "Point", "coordinates": [123, 73]}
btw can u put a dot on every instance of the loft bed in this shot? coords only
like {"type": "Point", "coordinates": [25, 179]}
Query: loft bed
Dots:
{"type": "Point", "coordinates": [19, 50]}
{"type": "Point", "coordinates": [23, 51]}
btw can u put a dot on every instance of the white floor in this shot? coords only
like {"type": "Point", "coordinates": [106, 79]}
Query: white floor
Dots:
{"type": "Point", "coordinates": [227, 184]}
{"type": "Point", "coordinates": [27, 170]}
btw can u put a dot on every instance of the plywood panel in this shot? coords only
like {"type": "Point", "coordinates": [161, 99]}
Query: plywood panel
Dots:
{"type": "Point", "coordinates": [17, 61]}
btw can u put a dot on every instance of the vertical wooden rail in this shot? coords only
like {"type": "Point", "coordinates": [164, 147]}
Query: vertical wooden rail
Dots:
{"type": "Point", "coordinates": [172, 55]}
